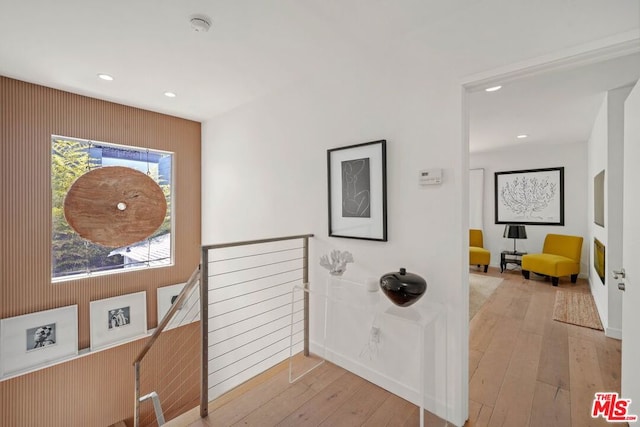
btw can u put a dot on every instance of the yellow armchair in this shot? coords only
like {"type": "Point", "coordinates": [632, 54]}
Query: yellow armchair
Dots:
{"type": "Point", "coordinates": [478, 255]}
{"type": "Point", "coordinates": [560, 257]}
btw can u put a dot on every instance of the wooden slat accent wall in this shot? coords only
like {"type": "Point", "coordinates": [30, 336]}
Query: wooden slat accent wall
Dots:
{"type": "Point", "coordinates": [172, 369]}
{"type": "Point", "coordinates": [96, 389]}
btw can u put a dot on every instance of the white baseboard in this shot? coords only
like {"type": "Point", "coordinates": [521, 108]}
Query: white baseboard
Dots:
{"type": "Point", "coordinates": [613, 333]}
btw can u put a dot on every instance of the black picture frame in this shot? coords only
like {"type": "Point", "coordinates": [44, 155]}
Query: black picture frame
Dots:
{"type": "Point", "coordinates": [530, 197]}
{"type": "Point", "coordinates": [357, 191]}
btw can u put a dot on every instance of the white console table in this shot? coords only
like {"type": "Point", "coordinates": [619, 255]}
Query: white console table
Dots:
{"type": "Point", "coordinates": [365, 333]}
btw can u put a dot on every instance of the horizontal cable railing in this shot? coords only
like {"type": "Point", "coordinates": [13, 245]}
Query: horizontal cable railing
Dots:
{"type": "Point", "coordinates": [246, 309]}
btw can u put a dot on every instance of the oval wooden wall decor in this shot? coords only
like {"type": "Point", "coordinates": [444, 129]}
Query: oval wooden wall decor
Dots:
{"type": "Point", "coordinates": [115, 206]}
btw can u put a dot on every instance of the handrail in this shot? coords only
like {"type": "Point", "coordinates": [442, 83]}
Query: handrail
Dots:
{"type": "Point", "coordinates": [174, 307]}
{"type": "Point", "coordinates": [254, 242]}
{"type": "Point", "coordinates": [161, 326]}
{"type": "Point", "coordinates": [201, 272]}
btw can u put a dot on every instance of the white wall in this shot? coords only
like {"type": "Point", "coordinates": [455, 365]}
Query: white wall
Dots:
{"type": "Point", "coordinates": [573, 157]}
{"type": "Point", "coordinates": [265, 175]}
{"type": "Point", "coordinates": [476, 198]}
{"type": "Point", "coordinates": [605, 152]}
{"type": "Point", "coordinates": [597, 154]}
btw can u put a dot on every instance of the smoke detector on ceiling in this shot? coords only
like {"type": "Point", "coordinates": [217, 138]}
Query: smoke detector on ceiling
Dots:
{"type": "Point", "coordinates": [200, 23]}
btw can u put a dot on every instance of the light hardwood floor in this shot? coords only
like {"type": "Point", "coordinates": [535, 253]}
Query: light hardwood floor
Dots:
{"type": "Point", "coordinates": [525, 369]}
{"type": "Point", "coordinates": [327, 396]}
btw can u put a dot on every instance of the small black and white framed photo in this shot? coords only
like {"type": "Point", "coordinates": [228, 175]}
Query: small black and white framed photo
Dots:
{"type": "Point", "coordinates": [38, 339]}
{"type": "Point", "coordinates": [41, 336]}
{"type": "Point", "coordinates": [118, 319]}
{"type": "Point", "coordinates": [358, 191]}
{"type": "Point", "coordinates": [188, 312]}
{"type": "Point", "coordinates": [167, 295]}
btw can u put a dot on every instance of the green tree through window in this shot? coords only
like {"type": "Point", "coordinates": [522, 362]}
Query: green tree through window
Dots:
{"type": "Point", "coordinates": [72, 256]}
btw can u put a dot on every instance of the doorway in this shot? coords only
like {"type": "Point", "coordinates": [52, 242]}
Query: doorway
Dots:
{"type": "Point", "coordinates": [495, 120]}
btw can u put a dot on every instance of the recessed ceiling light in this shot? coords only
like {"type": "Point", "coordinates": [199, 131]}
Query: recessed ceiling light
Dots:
{"type": "Point", "coordinates": [170, 94]}
{"type": "Point", "coordinates": [493, 88]}
{"type": "Point", "coordinates": [106, 77]}
{"type": "Point", "coordinates": [522, 136]}
{"type": "Point", "coordinates": [200, 23]}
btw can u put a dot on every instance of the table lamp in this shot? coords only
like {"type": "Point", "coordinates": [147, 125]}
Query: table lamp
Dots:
{"type": "Point", "coordinates": [515, 232]}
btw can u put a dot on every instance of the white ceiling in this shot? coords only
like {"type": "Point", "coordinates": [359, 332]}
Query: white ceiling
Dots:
{"type": "Point", "coordinates": [257, 47]}
{"type": "Point", "coordinates": [551, 108]}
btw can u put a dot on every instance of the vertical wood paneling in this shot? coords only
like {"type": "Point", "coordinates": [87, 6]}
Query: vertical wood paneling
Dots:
{"type": "Point", "coordinates": [172, 369]}
{"type": "Point", "coordinates": [96, 389]}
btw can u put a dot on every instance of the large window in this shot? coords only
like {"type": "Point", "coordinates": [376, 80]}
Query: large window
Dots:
{"type": "Point", "coordinates": [74, 257]}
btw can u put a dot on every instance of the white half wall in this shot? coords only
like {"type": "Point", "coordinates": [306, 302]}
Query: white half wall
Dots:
{"type": "Point", "coordinates": [573, 157]}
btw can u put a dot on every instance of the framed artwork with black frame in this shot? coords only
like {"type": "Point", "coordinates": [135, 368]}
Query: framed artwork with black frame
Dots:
{"type": "Point", "coordinates": [530, 197]}
{"type": "Point", "coordinates": [357, 176]}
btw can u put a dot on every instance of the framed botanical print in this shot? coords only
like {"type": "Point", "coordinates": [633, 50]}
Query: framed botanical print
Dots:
{"type": "Point", "coordinates": [530, 197]}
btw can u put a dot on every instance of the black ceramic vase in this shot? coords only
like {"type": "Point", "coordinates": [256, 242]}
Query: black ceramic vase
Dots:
{"type": "Point", "coordinates": [402, 288]}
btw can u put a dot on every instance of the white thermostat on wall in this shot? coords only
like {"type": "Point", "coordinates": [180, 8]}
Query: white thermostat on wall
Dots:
{"type": "Point", "coordinates": [430, 177]}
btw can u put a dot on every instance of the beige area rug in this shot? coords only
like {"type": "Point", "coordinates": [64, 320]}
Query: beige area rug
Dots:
{"type": "Point", "coordinates": [577, 308]}
{"type": "Point", "coordinates": [480, 289]}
